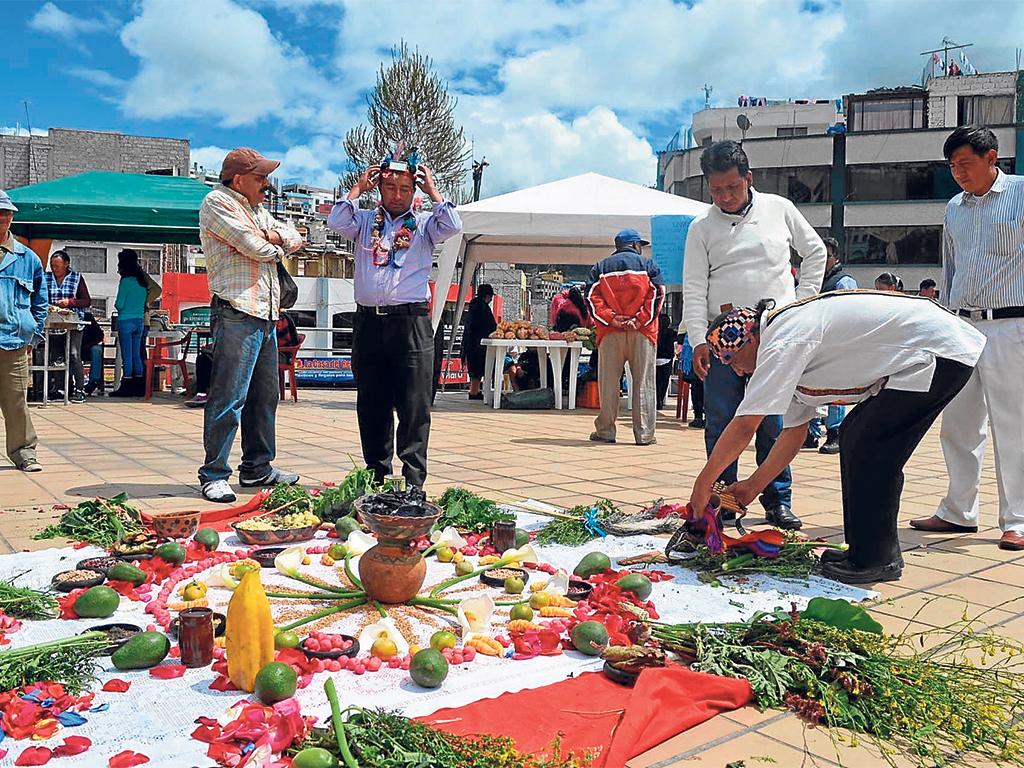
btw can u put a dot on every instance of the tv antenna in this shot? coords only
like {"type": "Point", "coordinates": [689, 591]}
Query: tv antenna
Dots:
{"type": "Point", "coordinates": [707, 95]}
{"type": "Point", "coordinates": [947, 46]}
{"type": "Point", "coordinates": [743, 123]}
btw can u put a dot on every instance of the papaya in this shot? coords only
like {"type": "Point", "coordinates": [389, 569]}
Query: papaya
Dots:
{"type": "Point", "coordinates": [249, 632]}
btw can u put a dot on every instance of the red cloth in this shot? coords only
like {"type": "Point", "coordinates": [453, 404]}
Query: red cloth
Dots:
{"type": "Point", "coordinates": [591, 711]}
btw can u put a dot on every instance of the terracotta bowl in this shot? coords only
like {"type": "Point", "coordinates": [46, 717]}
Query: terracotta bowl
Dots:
{"type": "Point", "coordinates": [277, 535]}
{"type": "Point", "coordinates": [174, 525]}
{"type": "Point", "coordinates": [396, 527]}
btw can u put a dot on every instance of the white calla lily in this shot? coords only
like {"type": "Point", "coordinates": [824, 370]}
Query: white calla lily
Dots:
{"type": "Point", "coordinates": [385, 628]}
{"type": "Point", "coordinates": [358, 542]}
{"type": "Point", "coordinates": [221, 577]}
{"type": "Point", "coordinates": [524, 554]}
{"type": "Point", "coordinates": [558, 584]}
{"type": "Point", "coordinates": [288, 561]}
{"type": "Point", "coordinates": [449, 537]}
{"type": "Point", "coordinates": [475, 617]}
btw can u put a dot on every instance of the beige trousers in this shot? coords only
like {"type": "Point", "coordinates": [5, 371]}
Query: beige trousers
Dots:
{"type": "Point", "coordinates": [616, 349]}
{"type": "Point", "coordinates": [21, 437]}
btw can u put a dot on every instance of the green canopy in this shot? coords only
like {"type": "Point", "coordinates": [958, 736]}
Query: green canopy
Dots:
{"type": "Point", "coordinates": [107, 206]}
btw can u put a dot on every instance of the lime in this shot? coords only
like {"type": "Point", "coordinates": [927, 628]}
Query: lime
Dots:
{"type": "Point", "coordinates": [314, 757]}
{"type": "Point", "coordinates": [514, 585]}
{"type": "Point", "coordinates": [275, 682]}
{"type": "Point", "coordinates": [384, 648]}
{"type": "Point", "coordinates": [194, 590]}
{"type": "Point", "coordinates": [286, 639]}
{"type": "Point", "coordinates": [445, 554]}
{"type": "Point", "coordinates": [540, 600]}
{"type": "Point", "coordinates": [428, 668]}
{"type": "Point", "coordinates": [521, 611]}
{"type": "Point", "coordinates": [463, 568]}
{"type": "Point", "coordinates": [337, 551]}
{"type": "Point", "coordinates": [442, 639]}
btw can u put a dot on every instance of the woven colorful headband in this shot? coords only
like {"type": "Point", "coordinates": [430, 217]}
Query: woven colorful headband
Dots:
{"type": "Point", "coordinates": [731, 333]}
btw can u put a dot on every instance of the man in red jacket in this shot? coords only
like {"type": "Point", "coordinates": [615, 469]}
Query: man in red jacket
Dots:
{"type": "Point", "coordinates": [625, 294]}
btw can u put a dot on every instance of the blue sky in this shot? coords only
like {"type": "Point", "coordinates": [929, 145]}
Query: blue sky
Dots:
{"type": "Point", "coordinates": [547, 88]}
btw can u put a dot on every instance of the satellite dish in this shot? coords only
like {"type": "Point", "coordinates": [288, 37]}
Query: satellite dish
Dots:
{"type": "Point", "coordinates": [743, 122]}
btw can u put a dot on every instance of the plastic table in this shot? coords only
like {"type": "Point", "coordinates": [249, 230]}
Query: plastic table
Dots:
{"type": "Point", "coordinates": [494, 365]}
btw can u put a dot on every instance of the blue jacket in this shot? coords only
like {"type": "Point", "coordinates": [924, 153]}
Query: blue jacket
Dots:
{"type": "Point", "coordinates": [23, 298]}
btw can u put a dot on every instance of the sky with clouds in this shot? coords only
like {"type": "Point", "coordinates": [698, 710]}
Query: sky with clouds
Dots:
{"type": "Point", "coordinates": [546, 88]}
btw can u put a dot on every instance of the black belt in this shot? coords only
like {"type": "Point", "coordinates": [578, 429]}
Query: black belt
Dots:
{"type": "Point", "coordinates": [417, 308]}
{"type": "Point", "coordinates": [992, 314]}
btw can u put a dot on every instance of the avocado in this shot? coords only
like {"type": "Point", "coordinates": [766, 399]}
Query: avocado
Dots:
{"type": "Point", "coordinates": [172, 552]}
{"type": "Point", "coordinates": [344, 526]}
{"type": "Point", "coordinates": [208, 537]}
{"type": "Point", "coordinates": [522, 538]}
{"type": "Point", "coordinates": [127, 572]}
{"type": "Point", "coordinates": [635, 583]}
{"type": "Point", "coordinates": [97, 603]}
{"type": "Point", "coordinates": [142, 651]}
{"type": "Point", "coordinates": [592, 564]}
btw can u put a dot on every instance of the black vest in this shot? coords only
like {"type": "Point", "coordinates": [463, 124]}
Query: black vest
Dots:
{"type": "Point", "coordinates": [831, 281]}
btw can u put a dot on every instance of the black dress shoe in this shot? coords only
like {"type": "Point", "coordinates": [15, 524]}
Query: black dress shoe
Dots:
{"type": "Point", "coordinates": [832, 556]}
{"type": "Point", "coordinates": [848, 573]}
{"type": "Point", "coordinates": [810, 442]}
{"type": "Point", "coordinates": [697, 424]}
{"type": "Point", "coordinates": [782, 516]}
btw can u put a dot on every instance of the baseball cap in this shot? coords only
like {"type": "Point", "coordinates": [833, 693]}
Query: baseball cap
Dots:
{"type": "Point", "coordinates": [626, 236]}
{"type": "Point", "coordinates": [5, 202]}
{"type": "Point", "coordinates": [243, 160]}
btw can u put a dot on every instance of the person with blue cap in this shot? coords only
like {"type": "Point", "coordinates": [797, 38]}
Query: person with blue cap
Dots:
{"type": "Point", "coordinates": [23, 306]}
{"type": "Point", "coordinates": [625, 294]}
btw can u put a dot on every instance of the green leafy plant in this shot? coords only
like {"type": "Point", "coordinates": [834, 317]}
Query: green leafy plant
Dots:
{"type": "Point", "coordinates": [578, 525]}
{"type": "Point", "coordinates": [467, 511]}
{"type": "Point", "coordinates": [25, 603]}
{"type": "Point", "coordinates": [98, 521]}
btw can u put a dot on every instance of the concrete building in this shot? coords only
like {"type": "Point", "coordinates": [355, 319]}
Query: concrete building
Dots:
{"type": "Point", "coordinates": [64, 152]}
{"type": "Point", "coordinates": [880, 186]}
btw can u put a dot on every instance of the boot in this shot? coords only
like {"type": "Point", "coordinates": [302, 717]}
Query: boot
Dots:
{"type": "Point", "coordinates": [831, 445]}
{"type": "Point", "coordinates": [129, 387]}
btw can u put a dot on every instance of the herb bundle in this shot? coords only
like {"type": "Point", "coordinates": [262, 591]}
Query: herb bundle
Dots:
{"type": "Point", "coordinates": [796, 560]}
{"type": "Point", "coordinates": [336, 501]}
{"type": "Point", "coordinates": [294, 498]}
{"type": "Point", "coordinates": [69, 661]}
{"type": "Point", "coordinates": [833, 666]}
{"type": "Point", "coordinates": [26, 603]}
{"type": "Point", "coordinates": [578, 525]}
{"type": "Point", "coordinates": [102, 522]}
{"type": "Point", "coordinates": [466, 511]}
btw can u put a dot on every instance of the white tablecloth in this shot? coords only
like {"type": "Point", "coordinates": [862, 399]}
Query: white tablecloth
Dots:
{"type": "Point", "coordinates": [494, 365]}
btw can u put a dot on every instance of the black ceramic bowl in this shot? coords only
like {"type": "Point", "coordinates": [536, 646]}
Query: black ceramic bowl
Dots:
{"type": "Point", "coordinates": [103, 563]}
{"type": "Point", "coordinates": [352, 650]}
{"type": "Point", "coordinates": [127, 632]}
{"type": "Point", "coordinates": [67, 586]}
{"type": "Point", "coordinates": [219, 622]}
{"type": "Point", "coordinates": [619, 675]}
{"type": "Point", "coordinates": [265, 556]}
{"type": "Point", "coordinates": [579, 590]}
{"type": "Point", "coordinates": [496, 578]}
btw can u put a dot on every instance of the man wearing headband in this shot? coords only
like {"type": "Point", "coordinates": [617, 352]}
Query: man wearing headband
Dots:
{"type": "Point", "coordinates": [243, 244]}
{"type": "Point", "coordinates": [900, 358]}
{"type": "Point", "coordinates": [393, 345]}
{"type": "Point", "coordinates": [736, 254]}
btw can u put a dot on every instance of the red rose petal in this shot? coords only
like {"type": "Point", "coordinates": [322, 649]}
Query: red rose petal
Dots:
{"type": "Point", "coordinates": [116, 686]}
{"type": "Point", "coordinates": [127, 759]}
{"type": "Point", "coordinates": [167, 671]}
{"type": "Point", "coordinates": [73, 745]}
{"type": "Point", "coordinates": [223, 683]}
{"type": "Point", "coordinates": [34, 756]}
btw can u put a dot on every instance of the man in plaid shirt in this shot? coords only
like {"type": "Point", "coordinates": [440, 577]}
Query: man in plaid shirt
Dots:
{"type": "Point", "coordinates": [243, 244]}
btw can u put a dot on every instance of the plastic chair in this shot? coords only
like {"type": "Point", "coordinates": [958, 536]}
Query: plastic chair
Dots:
{"type": "Point", "coordinates": [682, 397]}
{"type": "Point", "coordinates": [289, 367]}
{"type": "Point", "coordinates": [158, 357]}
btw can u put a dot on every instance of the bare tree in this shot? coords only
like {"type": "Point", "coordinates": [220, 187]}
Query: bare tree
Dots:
{"type": "Point", "coordinates": [411, 103]}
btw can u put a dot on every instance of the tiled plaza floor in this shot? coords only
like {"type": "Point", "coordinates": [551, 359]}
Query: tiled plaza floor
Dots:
{"type": "Point", "coordinates": [152, 450]}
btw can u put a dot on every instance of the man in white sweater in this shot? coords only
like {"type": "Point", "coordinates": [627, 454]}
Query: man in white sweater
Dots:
{"type": "Point", "coordinates": [737, 254]}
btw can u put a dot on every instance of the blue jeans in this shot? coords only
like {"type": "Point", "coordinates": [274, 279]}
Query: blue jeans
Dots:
{"type": "Point", "coordinates": [723, 392]}
{"type": "Point", "coordinates": [243, 390]}
{"type": "Point", "coordinates": [836, 414]}
{"type": "Point", "coordinates": [129, 337]}
{"type": "Point", "coordinates": [96, 365]}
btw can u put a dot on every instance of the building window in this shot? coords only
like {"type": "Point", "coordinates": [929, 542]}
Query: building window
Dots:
{"type": "Point", "coordinates": [706, 141]}
{"type": "Point", "coordinates": [150, 259]}
{"type": "Point", "coordinates": [985, 110]}
{"type": "Point", "coordinates": [894, 245]}
{"type": "Point", "coordinates": [905, 181]}
{"type": "Point", "coordinates": [887, 114]}
{"type": "Point", "coordinates": [809, 184]}
{"type": "Point", "coordinates": [87, 258]}
{"type": "Point", "coordinates": [794, 131]}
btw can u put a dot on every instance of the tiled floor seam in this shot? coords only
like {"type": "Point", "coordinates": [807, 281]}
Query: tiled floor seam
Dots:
{"type": "Point", "coordinates": [693, 752]}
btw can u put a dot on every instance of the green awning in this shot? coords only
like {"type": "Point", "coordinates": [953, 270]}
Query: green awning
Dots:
{"type": "Point", "coordinates": [111, 207]}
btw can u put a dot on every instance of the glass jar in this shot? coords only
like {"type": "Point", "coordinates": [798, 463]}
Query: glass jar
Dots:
{"type": "Point", "coordinates": [195, 636]}
{"type": "Point", "coordinates": [503, 535]}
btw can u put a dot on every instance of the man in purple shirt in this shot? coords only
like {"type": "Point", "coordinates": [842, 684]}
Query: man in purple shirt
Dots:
{"type": "Point", "coordinates": [393, 346]}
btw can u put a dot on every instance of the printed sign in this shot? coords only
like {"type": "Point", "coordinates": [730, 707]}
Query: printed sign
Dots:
{"type": "Point", "coordinates": [668, 240]}
{"type": "Point", "coordinates": [324, 370]}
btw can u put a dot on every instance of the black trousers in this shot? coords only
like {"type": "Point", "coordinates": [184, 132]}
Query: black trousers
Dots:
{"type": "Point", "coordinates": [393, 364]}
{"type": "Point", "coordinates": [876, 440]}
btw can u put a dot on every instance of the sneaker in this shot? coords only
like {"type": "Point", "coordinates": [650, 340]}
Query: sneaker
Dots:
{"type": "Point", "coordinates": [596, 438]}
{"type": "Point", "coordinates": [275, 477]}
{"type": "Point", "coordinates": [199, 401]}
{"type": "Point", "coordinates": [652, 441]}
{"type": "Point", "coordinates": [218, 491]}
{"type": "Point", "coordinates": [30, 464]}
{"type": "Point", "coordinates": [697, 424]}
{"type": "Point", "coordinates": [78, 396]}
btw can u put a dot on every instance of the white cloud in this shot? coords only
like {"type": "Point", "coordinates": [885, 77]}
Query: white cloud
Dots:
{"type": "Point", "coordinates": [7, 130]}
{"type": "Point", "coordinates": [98, 77]}
{"type": "Point", "coordinates": [53, 20]}
{"type": "Point", "coordinates": [317, 162]}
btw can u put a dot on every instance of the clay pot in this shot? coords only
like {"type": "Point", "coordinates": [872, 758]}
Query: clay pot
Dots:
{"type": "Point", "coordinates": [393, 571]}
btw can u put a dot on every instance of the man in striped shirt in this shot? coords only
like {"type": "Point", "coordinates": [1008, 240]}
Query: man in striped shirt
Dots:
{"type": "Point", "coordinates": [983, 271]}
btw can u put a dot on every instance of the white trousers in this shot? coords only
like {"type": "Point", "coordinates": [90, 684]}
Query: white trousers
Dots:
{"type": "Point", "coordinates": [993, 397]}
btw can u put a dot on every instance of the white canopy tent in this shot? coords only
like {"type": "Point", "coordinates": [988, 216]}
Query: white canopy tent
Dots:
{"type": "Point", "coordinates": [571, 221]}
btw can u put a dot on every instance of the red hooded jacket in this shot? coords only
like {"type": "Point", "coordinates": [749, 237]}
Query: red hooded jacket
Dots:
{"type": "Point", "coordinates": [629, 285]}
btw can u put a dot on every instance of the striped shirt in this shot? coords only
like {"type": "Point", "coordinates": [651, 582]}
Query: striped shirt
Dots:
{"type": "Point", "coordinates": [983, 247]}
{"type": "Point", "coordinates": [241, 265]}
